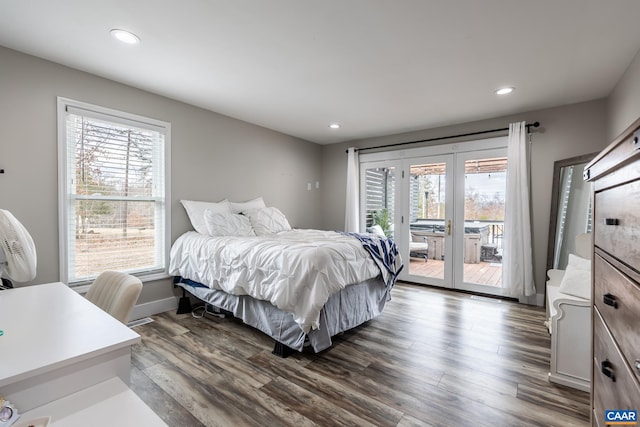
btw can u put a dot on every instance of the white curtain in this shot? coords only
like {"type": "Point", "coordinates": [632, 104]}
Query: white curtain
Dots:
{"type": "Point", "coordinates": [352, 211]}
{"type": "Point", "coordinates": [517, 260]}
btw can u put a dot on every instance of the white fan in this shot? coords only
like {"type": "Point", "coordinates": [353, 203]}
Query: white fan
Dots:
{"type": "Point", "coordinates": [17, 251]}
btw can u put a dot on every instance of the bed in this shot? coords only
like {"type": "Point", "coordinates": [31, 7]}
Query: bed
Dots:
{"type": "Point", "coordinates": [300, 287]}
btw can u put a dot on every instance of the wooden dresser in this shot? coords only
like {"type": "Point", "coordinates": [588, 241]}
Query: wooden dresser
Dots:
{"type": "Point", "coordinates": [615, 174]}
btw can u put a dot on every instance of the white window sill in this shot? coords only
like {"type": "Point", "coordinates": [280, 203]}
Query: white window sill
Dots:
{"type": "Point", "coordinates": [83, 287]}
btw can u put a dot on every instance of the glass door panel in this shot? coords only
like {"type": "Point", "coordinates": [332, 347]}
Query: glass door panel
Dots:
{"type": "Point", "coordinates": [379, 204]}
{"type": "Point", "coordinates": [481, 204]}
{"type": "Point", "coordinates": [429, 220]}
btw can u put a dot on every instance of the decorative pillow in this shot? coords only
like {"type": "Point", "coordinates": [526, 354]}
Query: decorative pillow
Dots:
{"type": "Point", "coordinates": [577, 278]}
{"type": "Point", "coordinates": [195, 212]}
{"type": "Point", "coordinates": [267, 221]}
{"type": "Point", "coordinates": [376, 229]}
{"type": "Point", "coordinates": [579, 262]}
{"type": "Point", "coordinates": [227, 224]}
{"type": "Point", "coordinates": [241, 207]}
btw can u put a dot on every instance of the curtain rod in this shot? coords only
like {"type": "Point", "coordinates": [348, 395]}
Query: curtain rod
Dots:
{"type": "Point", "coordinates": [535, 125]}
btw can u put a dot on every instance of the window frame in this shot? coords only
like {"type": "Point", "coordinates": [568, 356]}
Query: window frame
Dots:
{"type": "Point", "coordinates": [64, 196]}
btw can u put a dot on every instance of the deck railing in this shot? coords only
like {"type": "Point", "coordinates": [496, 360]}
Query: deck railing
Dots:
{"type": "Point", "coordinates": [496, 233]}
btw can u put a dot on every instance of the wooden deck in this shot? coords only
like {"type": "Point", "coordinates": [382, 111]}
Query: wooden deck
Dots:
{"type": "Point", "coordinates": [483, 273]}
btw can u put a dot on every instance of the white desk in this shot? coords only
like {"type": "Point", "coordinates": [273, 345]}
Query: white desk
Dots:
{"type": "Point", "coordinates": [56, 343]}
{"type": "Point", "coordinates": [108, 404]}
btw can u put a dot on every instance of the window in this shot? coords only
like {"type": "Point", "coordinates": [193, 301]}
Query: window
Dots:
{"type": "Point", "coordinates": [113, 192]}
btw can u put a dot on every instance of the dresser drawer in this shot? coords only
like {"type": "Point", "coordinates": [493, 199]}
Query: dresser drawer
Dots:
{"type": "Point", "coordinates": [618, 301]}
{"type": "Point", "coordinates": [621, 151]}
{"type": "Point", "coordinates": [617, 215]}
{"type": "Point", "coordinates": [624, 392]}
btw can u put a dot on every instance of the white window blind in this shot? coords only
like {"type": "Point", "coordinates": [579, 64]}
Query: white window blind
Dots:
{"type": "Point", "coordinates": [113, 192]}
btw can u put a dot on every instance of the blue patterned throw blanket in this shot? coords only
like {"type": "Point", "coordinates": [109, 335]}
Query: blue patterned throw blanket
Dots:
{"type": "Point", "coordinates": [385, 254]}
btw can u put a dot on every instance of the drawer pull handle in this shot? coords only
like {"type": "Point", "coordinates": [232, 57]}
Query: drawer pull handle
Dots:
{"type": "Point", "coordinates": [612, 221]}
{"type": "Point", "coordinates": [610, 300]}
{"type": "Point", "coordinates": [607, 368]}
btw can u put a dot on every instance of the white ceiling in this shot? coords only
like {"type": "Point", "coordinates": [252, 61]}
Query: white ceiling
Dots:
{"type": "Point", "coordinates": [375, 66]}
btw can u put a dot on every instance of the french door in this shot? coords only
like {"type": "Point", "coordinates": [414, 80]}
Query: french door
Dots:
{"type": "Point", "coordinates": [428, 222]}
{"type": "Point", "coordinates": [444, 209]}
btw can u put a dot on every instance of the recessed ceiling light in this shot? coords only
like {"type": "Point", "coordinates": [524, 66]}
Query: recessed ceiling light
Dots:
{"type": "Point", "coordinates": [334, 126]}
{"type": "Point", "coordinates": [125, 36]}
{"type": "Point", "coordinates": [505, 90]}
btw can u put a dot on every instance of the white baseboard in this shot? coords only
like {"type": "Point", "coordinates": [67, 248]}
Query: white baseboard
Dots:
{"type": "Point", "coordinates": [154, 307]}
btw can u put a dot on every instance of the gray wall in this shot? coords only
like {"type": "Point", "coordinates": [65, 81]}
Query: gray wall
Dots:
{"type": "Point", "coordinates": [213, 156]}
{"type": "Point", "coordinates": [566, 131]}
{"type": "Point", "coordinates": [623, 106]}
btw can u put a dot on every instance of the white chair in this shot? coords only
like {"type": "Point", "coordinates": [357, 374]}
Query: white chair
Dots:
{"type": "Point", "coordinates": [418, 245]}
{"type": "Point", "coordinates": [116, 293]}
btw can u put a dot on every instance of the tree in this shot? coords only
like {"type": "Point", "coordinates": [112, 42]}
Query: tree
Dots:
{"type": "Point", "coordinates": [89, 177]}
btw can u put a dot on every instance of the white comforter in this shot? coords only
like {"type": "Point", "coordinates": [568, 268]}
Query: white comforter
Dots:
{"type": "Point", "coordinates": [295, 270]}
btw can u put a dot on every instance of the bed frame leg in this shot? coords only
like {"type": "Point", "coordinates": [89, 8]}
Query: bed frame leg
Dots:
{"type": "Point", "coordinates": [282, 350]}
{"type": "Point", "coordinates": [184, 304]}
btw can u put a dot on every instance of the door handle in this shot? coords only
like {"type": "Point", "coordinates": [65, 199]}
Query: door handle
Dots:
{"type": "Point", "coordinates": [449, 228]}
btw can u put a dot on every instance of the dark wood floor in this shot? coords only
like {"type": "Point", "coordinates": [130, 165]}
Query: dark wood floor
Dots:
{"type": "Point", "coordinates": [433, 358]}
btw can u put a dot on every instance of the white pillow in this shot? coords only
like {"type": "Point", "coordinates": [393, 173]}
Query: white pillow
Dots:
{"type": "Point", "coordinates": [195, 212]}
{"type": "Point", "coordinates": [241, 207]}
{"type": "Point", "coordinates": [267, 221]}
{"type": "Point", "coordinates": [579, 262]}
{"type": "Point", "coordinates": [577, 278]}
{"type": "Point", "coordinates": [227, 224]}
{"type": "Point", "coordinates": [377, 229]}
